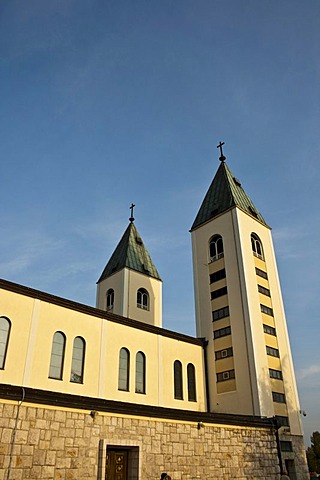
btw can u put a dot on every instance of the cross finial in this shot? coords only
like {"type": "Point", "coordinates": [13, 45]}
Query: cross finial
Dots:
{"type": "Point", "coordinates": [131, 208]}
{"type": "Point", "coordinates": [222, 157]}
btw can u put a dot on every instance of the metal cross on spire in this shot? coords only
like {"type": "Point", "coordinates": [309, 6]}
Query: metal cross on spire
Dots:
{"type": "Point", "coordinates": [131, 208]}
{"type": "Point", "coordinates": [222, 157]}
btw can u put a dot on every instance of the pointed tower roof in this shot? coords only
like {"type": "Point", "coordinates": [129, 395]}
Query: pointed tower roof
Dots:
{"type": "Point", "coordinates": [130, 253]}
{"type": "Point", "coordinates": [224, 193]}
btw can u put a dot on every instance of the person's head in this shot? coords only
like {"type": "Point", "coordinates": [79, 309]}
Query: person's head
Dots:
{"type": "Point", "coordinates": [163, 476]}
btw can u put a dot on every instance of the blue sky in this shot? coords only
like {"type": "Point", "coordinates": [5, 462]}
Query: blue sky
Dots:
{"type": "Point", "coordinates": [108, 103]}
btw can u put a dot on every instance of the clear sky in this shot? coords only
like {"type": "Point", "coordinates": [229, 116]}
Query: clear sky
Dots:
{"type": "Point", "coordinates": [104, 103]}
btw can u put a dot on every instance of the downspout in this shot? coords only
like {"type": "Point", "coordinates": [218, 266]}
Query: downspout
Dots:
{"type": "Point", "coordinates": [205, 360]}
{"type": "Point", "coordinates": [14, 433]}
{"type": "Point", "coordinates": [276, 427]}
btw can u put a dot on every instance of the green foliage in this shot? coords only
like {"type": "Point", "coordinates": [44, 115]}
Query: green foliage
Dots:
{"type": "Point", "coordinates": [313, 453]}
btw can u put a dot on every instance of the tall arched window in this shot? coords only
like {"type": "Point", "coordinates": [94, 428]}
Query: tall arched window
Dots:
{"type": "Point", "coordinates": [191, 374]}
{"type": "Point", "coordinates": [77, 365]}
{"type": "Point", "coordinates": [57, 356]}
{"type": "Point", "coordinates": [110, 299]}
{"type": "Point", "coordinates": [215, 248]}
{"type": "Point", "coordinates": [5, 327]}
{"type": "Point", "coordinates": [256, 246]}
{"type": "Point", "coordinates": [143, 299]}
{"type": "Point", "coordinates": [140, 373]}
{"type": "Point", "coordinates": [124, 365]}
{"type": "Point", "coordinates": [177, 372]}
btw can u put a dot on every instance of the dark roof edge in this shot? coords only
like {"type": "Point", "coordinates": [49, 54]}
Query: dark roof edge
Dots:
{"type": "Point", "coordinates": [95, 312]}
{"type": "Point", "coordinates": [56, 399]}
{"type": "Point", "coordinates": [192, 229]}
{"type": "Point", "coordinates": [133, 269]}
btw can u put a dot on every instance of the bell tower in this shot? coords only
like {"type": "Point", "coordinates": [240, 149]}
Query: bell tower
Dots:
{"type": "Point", "coordinates": [239, 307]}
{"type": "Point", "coordinates": [130, 284]}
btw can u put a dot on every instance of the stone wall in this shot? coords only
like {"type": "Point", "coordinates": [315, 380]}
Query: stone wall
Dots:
{"type": "Point", "coordinates": [64, 444]}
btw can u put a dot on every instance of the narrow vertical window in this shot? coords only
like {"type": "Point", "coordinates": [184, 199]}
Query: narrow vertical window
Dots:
{"type": "Point", "coordinates": [110, 299]}
{"type": "Point", "coordinates": [177, 372]}
{"type": "Point", "coordinates": [256, 246]}
{"type": "Point", "coordinates": [57, 356]}
{"type": "Point", "coordinates": [77, 365]}
{"type": "Point", "coordinates": [5, 327]}
{"type": "Point", "coordinates": [124, 365]}
{"type": "Point", "coordinates": [143, 299]}
{"type": "Point", "coordinates": [140, 373]}
{"type": "Point", "coordinates": [215, 248]}
{"type": "Point", "coordinates": [191, 373]}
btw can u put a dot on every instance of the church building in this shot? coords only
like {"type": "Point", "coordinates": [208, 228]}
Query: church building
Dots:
{"type": "Point", "coordinates": [106, 392]}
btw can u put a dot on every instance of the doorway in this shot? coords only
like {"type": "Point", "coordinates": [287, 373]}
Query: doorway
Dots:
{"type": "Point", "coordinates": [291, 469]}
{"type": "Point", "coordinates": [116, 464]}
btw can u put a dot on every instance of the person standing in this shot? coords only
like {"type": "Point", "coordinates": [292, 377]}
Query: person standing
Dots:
{"type": "Point", "coordinates": [284, 476]}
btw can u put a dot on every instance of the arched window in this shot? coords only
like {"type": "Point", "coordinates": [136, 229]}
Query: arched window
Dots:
{"type": "Point", "coordinates": [140, 373]}
{"type": "Point", "coordinates": [124, 365]}
{"type": "Point", "coordinates": [5, 327]}
{"type": "Point", "coordinates": [256, 246]}
{"type": "Point", "coordinates": [57, 356]}
{"type": "Point", "coordinates": [215, 248]}
{"type": "Point", "coordinates": [143, 299]}
{"type": "Point", "coordinates": [191, 373]}
{"type": "Point", "coordinates": [110, 299]}
{"type": "Point", "coordinates": [177, 372]}
{"type": "Point", "coordinates": [77, 365]}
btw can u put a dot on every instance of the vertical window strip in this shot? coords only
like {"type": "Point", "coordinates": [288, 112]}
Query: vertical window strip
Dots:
{"type": "Point", "coordinates": [5, 327]}
{"type": "Point", "coordinates": [124, 365]}
{"type": "Point", "coordinates": [77, 365]}
{"type": "Point", "coordinates": [177, 373]}
{"type": "Point", "coordinates": [140, 373]}
{"type": "Point", "coordinates": [57, 356]}
{"type": "Point", "coordinates": [191, 374]}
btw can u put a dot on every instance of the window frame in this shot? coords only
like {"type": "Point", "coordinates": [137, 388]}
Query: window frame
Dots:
{"type": "Point", "coordinates": [266, 310]}
{"type": "Point", "coordinates": [216, 248]}
{"type": "Point", "coordinates": [272, 352]}
{"type": "Point", "coordinates": [261, 273]}
{"type": "Point", "coordinates": [178, 380]}
{"type": "Point", "coordinates": [6, 337]}
{"type": "Point", "coordinates": [219, 353]}
{"type": "Point", "coordinates": [278, 397]}
{"type": "Point", "coordinates": [220, 292]}
{"type": "Point", "coordinates": [220, 313]}
{"type": "Point", "coordinates": [218, 275]}
{"type": "Point", "coordinates": [124, 370]}
{"type": "Point", "coordinates": [140, 379]}
{"type": "Point", "coordinates": [264, 290]}
{"type": "Point", "coordinates": [275, 374]}
{"type": "Point", "coordinates": [256, 246]}
{"type": "Point", "coordinates": [269, 330]}
{"type": "Point", "coordinates": [226, 375]}
{"type": "Point", "coordinates": [143, 299]}
{"type": "Point", "coordinates": [75, 360]}
{"type": "Point", "coordinates": [110, 299]}
{"type": "Point", "coordinates": [61, 355]}
{"type": "Point", "coordinates": [192, 386]}
{"type": "Point", "coordinates": [222, 332]}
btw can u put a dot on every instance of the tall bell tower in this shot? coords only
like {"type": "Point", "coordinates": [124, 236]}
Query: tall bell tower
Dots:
{"type": "Point", "coordinates": [239, 308]}
{"type": "Point", "coordinates": [130, 284]}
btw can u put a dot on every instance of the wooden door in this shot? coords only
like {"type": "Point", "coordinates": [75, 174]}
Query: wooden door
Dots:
{"type": "Point", "coordinates": [117, 464]}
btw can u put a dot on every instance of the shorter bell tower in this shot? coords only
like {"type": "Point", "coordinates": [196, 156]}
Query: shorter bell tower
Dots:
{"type": "Point", "coordinates": [130, 284]}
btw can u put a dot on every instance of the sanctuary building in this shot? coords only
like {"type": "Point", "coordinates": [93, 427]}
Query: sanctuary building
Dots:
{"type": "Point", "coordinates": [108, 393]}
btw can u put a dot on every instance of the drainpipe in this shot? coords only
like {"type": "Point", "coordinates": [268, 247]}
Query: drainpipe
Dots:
{"type": "Point", "coordinates": [205, 359]}
{"type": "Point", "coordinates": [14, 433]}
{"type": "Point", "coordinates": [276, 426]}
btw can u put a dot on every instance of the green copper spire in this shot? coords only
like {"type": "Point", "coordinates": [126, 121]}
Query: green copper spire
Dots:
{"type": "Point", "coordinates": [130, 253]}
{"type": "Point", "coordinates": [225, 192]}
